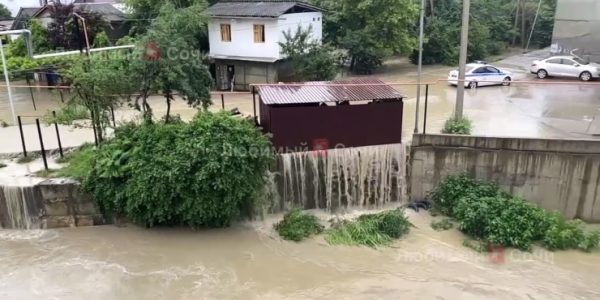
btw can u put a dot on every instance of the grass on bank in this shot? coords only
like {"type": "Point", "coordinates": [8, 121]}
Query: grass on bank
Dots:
{"type": "Point", "coordinates": [297, 225]}
{"type": "Point", "coordinates": [371, 230]}
{"type": "Point", "coordinates": [2, 165]}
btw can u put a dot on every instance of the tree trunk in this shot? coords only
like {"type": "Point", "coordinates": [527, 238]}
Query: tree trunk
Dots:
{"type": "Point", "coordinates": [523, 29]}
{"type": "Point", "coordinates": [514, 40]}
{"type": "Point", "coordinates": [431, 8]}
{"type": "Point", "coordinates": [168, 96]}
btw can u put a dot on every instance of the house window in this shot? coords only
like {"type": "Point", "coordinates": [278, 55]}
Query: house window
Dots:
{"type": "Point", "coordinates": [259, 33]}
{"type": "Point", "coordinates": [226, 32]}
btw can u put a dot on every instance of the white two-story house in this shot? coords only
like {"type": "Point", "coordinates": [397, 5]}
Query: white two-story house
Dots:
{"type": "Point", "coordinates": [244, 38]}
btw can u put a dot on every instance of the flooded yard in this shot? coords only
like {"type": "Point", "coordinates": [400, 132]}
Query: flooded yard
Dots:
{"type": "Point", "coordinates": [249, 261]}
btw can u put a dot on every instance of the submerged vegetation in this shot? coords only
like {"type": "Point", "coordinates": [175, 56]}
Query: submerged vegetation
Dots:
{"type": "Point", "coordinates": [297, 226]}
{"type": "Point", "coordinates": [441, 225]}
{"type": "Point", "coordinates": [371, 230]}
{"type": "Point", "coordinates": [496, 218]}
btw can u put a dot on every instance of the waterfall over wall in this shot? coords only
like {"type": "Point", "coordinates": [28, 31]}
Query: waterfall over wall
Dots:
{"type": "Point", "coordinates": [19, 207]}
{"type": "Point", "coordinates": [340, 178]}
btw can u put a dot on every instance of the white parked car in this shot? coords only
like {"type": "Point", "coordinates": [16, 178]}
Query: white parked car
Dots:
{"type": "Point", "coordinates": [481, 74]}
{"type": "Point", "coordinates": [565, 66]}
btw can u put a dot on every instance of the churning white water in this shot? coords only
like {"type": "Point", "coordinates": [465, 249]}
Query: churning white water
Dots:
{"type": "Point", "coordinates": [339, 178]}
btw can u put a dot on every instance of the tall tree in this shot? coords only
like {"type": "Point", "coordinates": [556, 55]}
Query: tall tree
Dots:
{"type": "Point", "coordinates": [370, 30]}
{"type": "Point", "coordinates": [311, 60]}
{"type": "Point", "coordinates": [169, 61]}
{"type": "Point", "coordinates": [66, 32]}
{"type": "Point", "coordinates": [145, 11]}
{"type": "Point", "coordinates": [4, 12]}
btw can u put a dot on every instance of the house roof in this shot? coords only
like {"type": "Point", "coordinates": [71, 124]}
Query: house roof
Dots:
{"type": "Point", "coordinates": [328, 91]}
{"type": "Point", "coordinates": [23, 15]}
{"type": "Point", "coordinates": [107, 10]}
{"type": "Point", "coordinates": [257, 8]}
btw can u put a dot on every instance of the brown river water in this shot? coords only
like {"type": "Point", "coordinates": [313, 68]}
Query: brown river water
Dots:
{"type": "Point", "coordinates": [249, 261]}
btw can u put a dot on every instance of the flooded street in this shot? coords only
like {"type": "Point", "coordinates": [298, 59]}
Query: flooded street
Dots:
{"type": "Point", "coordinates": [538, 108]}
{"type": "Point", "coordinates": [249, 261]}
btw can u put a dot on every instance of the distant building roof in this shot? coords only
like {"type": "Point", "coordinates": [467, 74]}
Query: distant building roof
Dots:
{"type": "Point", "coordinates": [6, 24]}
{"type": "Point", "coordinates": [328, 91]}
{"type": "Point", "coordinates": [107, 10]}
{"type": "Point", "coordinates": [23, 15]}
{"type": "Point", "coordinates": [258, 8]}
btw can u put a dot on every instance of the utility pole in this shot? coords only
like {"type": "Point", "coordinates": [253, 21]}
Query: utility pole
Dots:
{"type": "Point", "coordinates": [462, 61]}
{"type": "Point", "coordinates": [420, 67]}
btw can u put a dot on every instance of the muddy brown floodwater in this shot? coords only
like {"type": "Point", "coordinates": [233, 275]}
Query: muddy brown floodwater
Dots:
{"type": "Point", "coordinates": [249, 261]}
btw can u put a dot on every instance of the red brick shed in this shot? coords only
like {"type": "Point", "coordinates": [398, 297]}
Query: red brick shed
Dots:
{"type": "Point", "coordinates": [333, 114]}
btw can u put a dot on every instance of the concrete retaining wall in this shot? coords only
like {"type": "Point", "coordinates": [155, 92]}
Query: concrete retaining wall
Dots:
{"type": "Point", "coordinates": [562, 175]}
{"type": "Point", "coordinates": [65, 205]}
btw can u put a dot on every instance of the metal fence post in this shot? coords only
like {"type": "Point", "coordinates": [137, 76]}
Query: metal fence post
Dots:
{"type": "Point", "coordinates": [254, 103]}
{"type": "Point", "coordinates": [37, 123]}
{"type": "Point", "coordinates": [425, 115]}
{"type": "Point", "coordinates": [31, 92]}
{"type": "Point", "coordinates": [22, 136]}
{"type": "Point", "coordinates": [223, 101]}
{"type": "Point", "coordinates": [60, 150]}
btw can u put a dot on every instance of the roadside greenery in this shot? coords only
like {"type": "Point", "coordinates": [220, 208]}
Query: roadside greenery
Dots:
{"type": "Point", "coordinates": [371, 230]}
{"type": "Point", "coordinates": [494, 26]}
{"type": "Point", "coordinates": [2, 165]}
{"type": "Point", "coordinates": [297, 225]}
{"type": "Point", "coordinates": [370, 30]}
{"type": "Point", "coordinates": [206, 173]}
{"type": "Point", "coordinates": [497, 218]}
{"type": "Point", "coordinates": [455, 125]}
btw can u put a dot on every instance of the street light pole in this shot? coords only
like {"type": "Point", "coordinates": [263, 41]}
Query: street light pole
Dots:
{"type": "Point", "coordinates": [462, 61]}
{"type": "Point", "coordinates": [420, 65]}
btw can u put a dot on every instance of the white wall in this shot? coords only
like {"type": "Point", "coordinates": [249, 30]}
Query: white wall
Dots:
{"type": "Point", "coordinates": [242, 35]}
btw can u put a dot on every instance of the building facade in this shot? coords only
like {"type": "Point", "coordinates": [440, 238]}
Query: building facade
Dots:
{"type": "Point", "coordinates": [576, 28]}
{"type": "Point", "coordinates": [244, 39]}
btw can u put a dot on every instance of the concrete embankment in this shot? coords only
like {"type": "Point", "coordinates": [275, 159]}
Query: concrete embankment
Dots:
{"type": "Point", "coordinates": [557, 174]}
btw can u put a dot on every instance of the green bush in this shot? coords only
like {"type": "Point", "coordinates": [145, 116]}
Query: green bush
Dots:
{"type": "Point", "coordinates": [496, 218]}
{"type": "Point", "coordinates": [203, 173]}
{"type": "Point", "coordinates": [371, 230]}
{"type": "Point", "coordinates": [2, 165]}
{"type": "Point", "coordinates": [458, 126]}
{"type": "Point", "coordinates": [297, 225]}
{"type": "Point", "coordinates": [442, 225]}
{"type": "Point", "coordinates": [446, 194]}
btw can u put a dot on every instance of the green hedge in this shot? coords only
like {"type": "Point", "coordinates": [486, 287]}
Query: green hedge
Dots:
{"type": "Point", "coordinates": [497, 218]}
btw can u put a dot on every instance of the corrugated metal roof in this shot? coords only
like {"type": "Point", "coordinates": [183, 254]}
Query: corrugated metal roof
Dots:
{"type": "Point", "coordinates": [327, 91]}
{"type": "Point", "coordinates": [258, 8]}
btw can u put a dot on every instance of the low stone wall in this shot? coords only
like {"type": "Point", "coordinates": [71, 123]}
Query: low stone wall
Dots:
{"type": "Point", "coordinates": [65, 205]}
{"type": "Point", "coordinates": [561, 175]}
{"type": "Point", "coordinates": [52, 203]}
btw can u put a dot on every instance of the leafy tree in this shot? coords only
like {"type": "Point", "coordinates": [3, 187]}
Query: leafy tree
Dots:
{"type": "Point", "coordinates": [170, 62]}
{"type": "Point", "coordinates": [370, 30]}
{"type": "Point", "coordinates": [145, 11]}
{"type": "Point", "coordinates": [311, 60]}
{"type": "Point", "coordinates": [4, 12]}
{"type": "Point", "coordinates": [97, 84]}
{"type": "Point", "coordinates": [39, 36]}
{"type": "Point", "coordinates": [65, 32]}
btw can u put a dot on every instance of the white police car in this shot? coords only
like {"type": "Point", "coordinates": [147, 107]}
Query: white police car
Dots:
{"type": "Point", "coordinates": [481, 74]}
